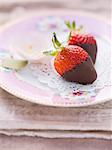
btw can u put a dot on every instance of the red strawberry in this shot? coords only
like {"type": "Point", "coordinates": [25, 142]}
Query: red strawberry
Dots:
{"type": "Point", "coordinates": [73, 63]}
{"type": "Point", "coordinates": [86, 41]}
{"type": "Point", "coordinates": [68, 58]}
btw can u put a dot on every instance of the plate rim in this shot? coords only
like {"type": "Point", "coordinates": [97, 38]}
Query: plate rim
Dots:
{"type": "Point", "coordinates": [54, 12]}
{"type": "Point", "coordinates": [33, 14]}
{"type": "Point", "coordinates": [81, 104]}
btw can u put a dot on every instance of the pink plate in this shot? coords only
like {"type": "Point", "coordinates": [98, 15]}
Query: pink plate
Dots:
{"type": "Point", "coordinates": [40, 83]}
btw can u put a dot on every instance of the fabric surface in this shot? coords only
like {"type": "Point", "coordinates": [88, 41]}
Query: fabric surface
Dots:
{"type": "Point", "coordinates": [10, 9]}
{"type": "Point", "coordinates": [34, 143]}
{"type": "Point", "coordinates": [18, 117]}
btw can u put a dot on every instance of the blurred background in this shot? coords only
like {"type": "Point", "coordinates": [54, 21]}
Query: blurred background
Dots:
{"type": "Point", "coordinates": [11, 9]}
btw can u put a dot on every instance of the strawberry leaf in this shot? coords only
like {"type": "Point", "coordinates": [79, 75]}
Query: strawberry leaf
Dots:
{"type": "Point", "coordinates": [55, 40]}
{"type": "Point", "coordinates": [54, 44]}
{"type": "Point", "coordinates": [68, 24]}
{"type": "Point", "coordinates": [69, 35]}
{"type": "Point", "coordinates": [73, 25]}
{"type": "Point", "coordinates": [50, 53]}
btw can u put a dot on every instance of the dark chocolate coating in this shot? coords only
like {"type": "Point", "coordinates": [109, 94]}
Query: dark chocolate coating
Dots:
{"type": "Point", "coordinates": [83, 73]}
{"type": "Point", "coordinates": [91, 49]}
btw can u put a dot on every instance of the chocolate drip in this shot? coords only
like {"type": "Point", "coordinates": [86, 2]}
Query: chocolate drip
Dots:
{"type": "Point", "coordinates": [91, 49]}
{"type": "Point", "coordinates": [83, 73]}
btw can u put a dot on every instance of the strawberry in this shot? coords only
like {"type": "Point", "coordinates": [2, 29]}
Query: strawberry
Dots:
{"type": "Point", "coordinates": [86, 41]}
{"type": "Point", "coordinates": [73, 63]}
{"type": "Point", "coordinates": [68, 58]}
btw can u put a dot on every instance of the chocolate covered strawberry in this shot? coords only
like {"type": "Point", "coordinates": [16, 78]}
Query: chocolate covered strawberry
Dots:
{"type": "Point", "coordinates": [86, 41]}
{"type": "Point", "coordinates": [73, 63]}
